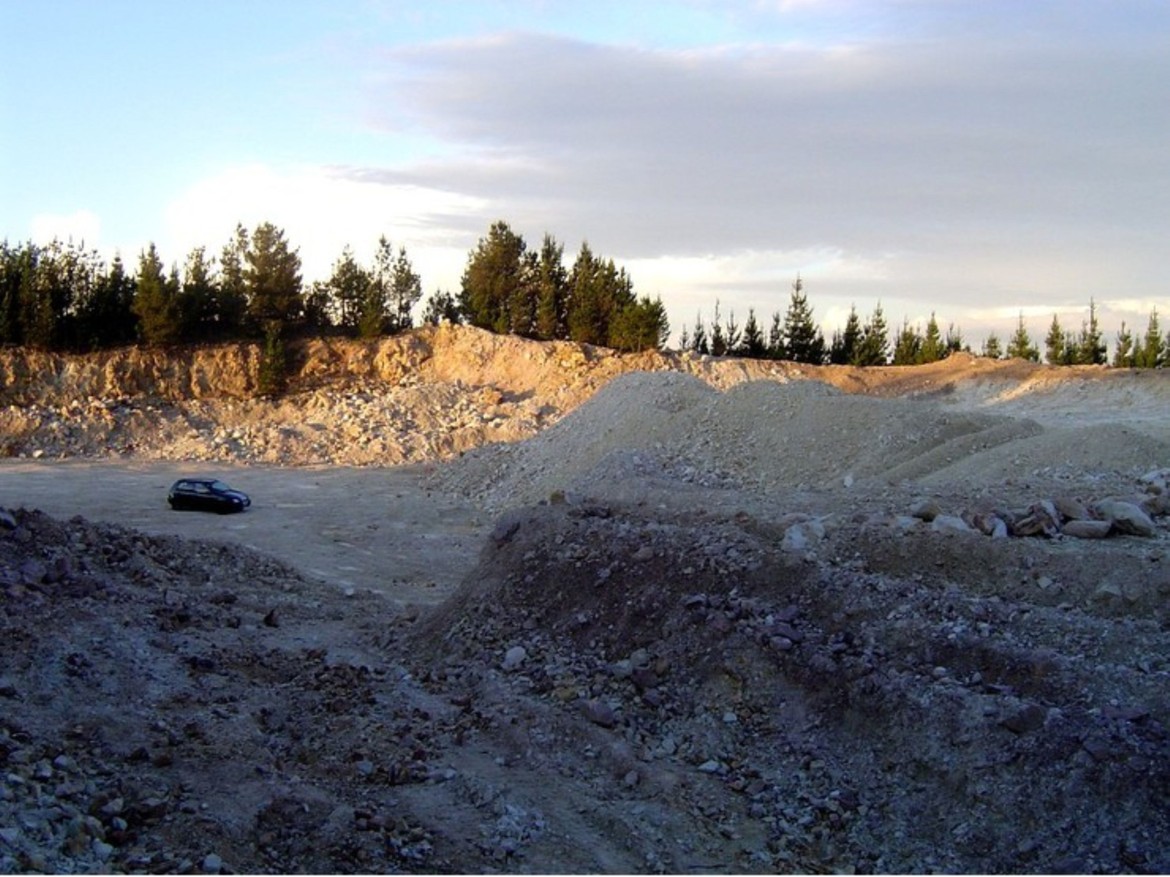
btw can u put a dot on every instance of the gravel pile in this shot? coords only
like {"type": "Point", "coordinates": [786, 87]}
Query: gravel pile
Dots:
{"type": "Point", "coordinates": [358, 425]}
{"type": "Point", "coordinates": [769, 438]}
{"type": "Point", "coordinates": [834, 713]}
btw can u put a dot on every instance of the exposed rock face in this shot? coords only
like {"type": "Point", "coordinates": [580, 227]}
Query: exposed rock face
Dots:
{"type": "Point", "coordinates": [437, 392]}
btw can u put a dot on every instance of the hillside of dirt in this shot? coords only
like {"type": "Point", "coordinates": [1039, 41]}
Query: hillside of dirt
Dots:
{"type": "Point", "coordinates": [505, 606]}
{"type": "Point", "coordinates": [439, 391]}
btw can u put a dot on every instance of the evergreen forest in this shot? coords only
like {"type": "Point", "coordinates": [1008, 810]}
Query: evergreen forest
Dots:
{"type": "Point", "coordinates": [63, 297]}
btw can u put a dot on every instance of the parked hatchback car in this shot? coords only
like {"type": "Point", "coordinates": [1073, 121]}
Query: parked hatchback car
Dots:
{"type": "Point", "coordinates": [206, 495]}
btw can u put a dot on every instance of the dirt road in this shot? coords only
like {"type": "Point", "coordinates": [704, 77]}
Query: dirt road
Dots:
{"type": "Point", "coordinates": [357, 528]}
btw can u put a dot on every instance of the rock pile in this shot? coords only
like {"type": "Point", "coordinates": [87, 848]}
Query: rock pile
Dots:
{"type": "Point", "coordinates": [764, 439]}
{"type": "Point", "coordinates": [812, 714]}
{"type": "Point", "coordinates": [1064, 516]}
{"type": "Point", "coordinates": [360, 424]}
{"type": "Point", "coordinates": [167, 709]}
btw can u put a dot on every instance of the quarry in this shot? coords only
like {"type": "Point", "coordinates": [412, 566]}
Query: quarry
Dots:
{"type": "Point", "coordinates": [537, 607]}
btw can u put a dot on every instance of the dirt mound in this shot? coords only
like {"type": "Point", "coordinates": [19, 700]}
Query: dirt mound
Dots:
{"type": "Point", "coordinates": [437, 392]}
{"type": "Point", "coordinates": [183, 707]}
{"type": "Point", "coordinates": [807, 716]}
{"type": "Point", "coordinates": [765, 437]}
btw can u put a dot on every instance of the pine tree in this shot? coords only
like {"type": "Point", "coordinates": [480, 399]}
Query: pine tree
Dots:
{"type": "Point", "coordinates": [375, 311]}
{"type": "Point", "coordinates": [845, 343]}
{"type": "Point", "coordinates": [348, 289]}
{"type": "Point", "coordinates": [597, 290]}
{"type": "Point", "coordinates": [992, 348]}
{"type": "Point", "coordinates": [1072, 347]}
{"type": "Point", "coordinates": [954, 341]}
{"type": "Point", "coordinates": [586, 318]}
{"type": "Point", "coordinates": [752, 344]}
{"type": "Point", "coordinates": [655, 317]}
{"type": "Point", "coordinates": [273, 374]}
{"type": "Point", "coordinates": [441, 307]}
{"type": "Point", "coordinates": [198, 303]}
{"type": "Point", "coordinates": [641, 325]}
{"type": "Point", "coordinates": [1054, 343]}
{"type": "Point", "coordinates": [156, 301]}
{"type": "Point", "coordinates": [492, 272]}
{"type": "Point", "coordinates": [232, 298]}
{"type": "Point", "coordinates": [15, 265]}
{"type": "Point", "coordinates": [908, 347]}
{"type": "Point", "coordinates": [1151, 352]}
{"type": "Point", "coordinates": [30, 306]}
{"type": "Point", "coordinates": [1091, 348]}
{"type": "Point", "coordinates": [803, 341]}
{"type": "Point", "coordinates": [699, 342]}
{"type": "Point", "coordinates": [48, 297]}
{"type": "Point", "coordinates": [523, 302]}
{"type": "Point", "coordinates": [405, 291]}
{"type": "Point", "coordinates": [106, 317]}
{"type": "Point", "coordinates": [718, 339]}
{"type": "Point", "coordinates": [776, 338]}
{"type": "Point", "coordinates": [552, 291]}
{"type": "Point", "coordinates": [734, 335]}
{"type": "Point", "coordinates": [317, 309]}
{"type": "Point", "coordinates": [932, 349]}
{"type": "Point", "coordinates": [873, 347]}
{"type": "Point", "coordinates": [34, 306]}
{"type": "Point", "coordinates": [1123, 356]}
{"type": "Point", "coordinates": [273, 275]}
{"type": "Point", "coordinates": [1020, 346]}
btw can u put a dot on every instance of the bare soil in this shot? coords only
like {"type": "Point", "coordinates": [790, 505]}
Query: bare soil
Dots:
{"type": "Point", "coordinates": [509, 606]}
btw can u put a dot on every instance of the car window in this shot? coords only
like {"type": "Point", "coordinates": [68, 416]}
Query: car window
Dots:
{"type": "Point", "coordinates": [219, 485]}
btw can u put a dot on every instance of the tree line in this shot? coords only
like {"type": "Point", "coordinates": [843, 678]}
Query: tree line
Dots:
{"type": "Point", "coordinates": [795, 336]}
{"type": "Point", "coordinates": [1087, 347]}
{"type": "Point", "coordinates": [62, 296]}
{"type": "Point", "coordinates": [508, 288]}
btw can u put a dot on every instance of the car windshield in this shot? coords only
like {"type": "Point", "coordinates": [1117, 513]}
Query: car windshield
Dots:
{"type": "Point", "coordinates": [219, 485]}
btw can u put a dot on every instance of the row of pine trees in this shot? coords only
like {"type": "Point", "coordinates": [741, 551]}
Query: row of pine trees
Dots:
{"type": "Point", "coordinates": [508, 288]}
{"type": "Point", "coordinates": [795, 336]}
{"type": "Point", "coordinates": [64, 297]}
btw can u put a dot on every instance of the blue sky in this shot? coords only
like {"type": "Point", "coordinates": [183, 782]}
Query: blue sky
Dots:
{"type": "Point", "coordinates": [976, 158]}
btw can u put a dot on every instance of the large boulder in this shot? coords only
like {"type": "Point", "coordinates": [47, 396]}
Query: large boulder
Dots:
{"type": "Point", "coordinates": [1087, 529]}
{"type": "Point", "coordinates": [1126, 517]}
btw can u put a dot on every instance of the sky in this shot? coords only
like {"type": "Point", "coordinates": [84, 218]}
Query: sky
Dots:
{"type": "Point", "coordinates": [976, 159]}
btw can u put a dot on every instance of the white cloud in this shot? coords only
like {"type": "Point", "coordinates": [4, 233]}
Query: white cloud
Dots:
{"type": "Point", "coordinates": [759, 280]}
{"type": "Point", "coordinates": [322, 211]}
{"type": "Point", "coordinates": [80, 226]}
{"type": "Point", "coordinates": [972, 172]}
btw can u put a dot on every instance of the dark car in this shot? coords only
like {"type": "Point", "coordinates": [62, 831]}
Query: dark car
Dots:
{"type": "Point", "coordinates": [206, 495]}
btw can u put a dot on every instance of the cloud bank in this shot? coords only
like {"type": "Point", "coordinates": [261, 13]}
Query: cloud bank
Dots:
{"type": "Point", "coordinates": [969, 173]}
